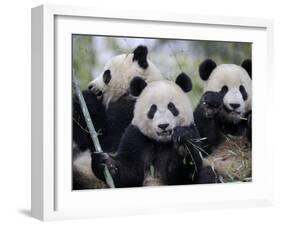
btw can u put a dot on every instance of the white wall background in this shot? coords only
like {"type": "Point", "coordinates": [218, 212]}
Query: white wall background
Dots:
{"type": "Point", "coordinates": [15, 111]}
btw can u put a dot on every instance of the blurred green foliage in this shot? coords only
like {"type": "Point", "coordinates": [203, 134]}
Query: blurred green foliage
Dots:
{"type": "Point", "coordinates": [172, 57]}
{"type": "Point", "coordinates": [83, 59]}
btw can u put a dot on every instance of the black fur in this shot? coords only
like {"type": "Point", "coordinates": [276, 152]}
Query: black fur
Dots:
{"type": "Point", "coordinates": [80, 132]}
{"type": "Point", "coordinates": [224, 90]}
{"type": "Point", "coordinates": [151, 112]}
{"type": "Point", "coordinates": [210, 122]}
{"type": "Point", "coordinates": [184, 82]}
{"type": "Point", "coordinates": [247, 65]}
{"type": "Point", "coordinates": [110, 123]}
{"type": "Point", "coordinates": [212, 99]}
{"type": "Point", "coordinates": [207, 176]}
{"type": "Point", "coordinates": [137, 85]}
{"type": "Point", "coordinates": [140, 55]}
{"type": "Point", "coordinates": [106, 76]}
{"type": "Point", "coordinates": [211, 115]}
{"type": "Point", "coordinates": [119, 115]}
{"type": "Point", "coordinates": [137, 153]}
{"type": "Point", "coordinates": [206, 68]}
{"type": "Point", "coordinates": [211, 125]}
{"type": "Point", "coordinates": [173, 109]}
{"type": "Point", "coordinates": [204, 115]}
{"type": "Point", "coordinates": [249, 126]}
{"type": "Point", "coordinates": [243, 92]}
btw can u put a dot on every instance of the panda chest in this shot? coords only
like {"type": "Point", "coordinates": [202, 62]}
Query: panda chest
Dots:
{"type": "Point", "coordinates": [156, 161]}
{"type": "Point", "coordinates": [119, 115]}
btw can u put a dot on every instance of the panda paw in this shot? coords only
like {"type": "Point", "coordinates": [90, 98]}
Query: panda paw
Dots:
{"type": "Point", "coordinates": [249, 120]}
{"type": "Point", "coordinates": [249, 127]}
{"type": "Point", "coordinates": [182, 134]}
{"type": "Point", "coordinates": [99, 160]}
{"type": "Point", "coordinates": [211, 102]}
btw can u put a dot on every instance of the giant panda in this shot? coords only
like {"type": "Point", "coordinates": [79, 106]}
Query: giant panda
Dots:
{"type": "Point", "coordinates": [223, 118]}
{"type": "Point", "coordinates": [111, 108]}
{"type": "Point", "coordinates": [113, 82]}
{"type": "Point", "coordinates": [109, 102]}
{"type": "Point", "coordinates": [159, 146]}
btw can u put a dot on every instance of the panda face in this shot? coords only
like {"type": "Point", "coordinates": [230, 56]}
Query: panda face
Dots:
{"type": "Point", "coordinates": [160, 108]}
{"type": "Point", "coordinates": [235, 84]}
{"type": "Point", "coordinates": [114, 80]}
{"type": "Point", "coordinates": [163, 119]}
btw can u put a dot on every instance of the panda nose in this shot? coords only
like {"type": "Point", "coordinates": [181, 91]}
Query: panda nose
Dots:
{"type": "Point", "coordinates": [90, 86]}
{"type": "Point", "coordinates": [163, 126]}
{"type": "Point", "coordinates": [234, 106]}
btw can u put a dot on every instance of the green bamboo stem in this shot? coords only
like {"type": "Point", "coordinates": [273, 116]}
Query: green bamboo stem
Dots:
{"type": "Point", "coordinates": [91, 128]}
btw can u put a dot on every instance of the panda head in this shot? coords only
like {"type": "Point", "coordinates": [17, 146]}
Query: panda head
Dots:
{"type": "Point", "coordinates": [161, 106]}
{"type": "Point", "coordinates": [233, 82]}
{"type": "Point", "coordinates": [115, 78]}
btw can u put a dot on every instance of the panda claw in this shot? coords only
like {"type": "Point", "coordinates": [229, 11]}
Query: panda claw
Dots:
{"type": "Point", "coordinates": [181, 134]}
{"type": "Point", "coordinates": [99, 158]}
{"type": "Point", "coordinates": [213, 100]}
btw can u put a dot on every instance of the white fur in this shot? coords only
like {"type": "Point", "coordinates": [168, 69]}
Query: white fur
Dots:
{"type": "Point", "coordinates": [161, 93]}
{"type": "Point", "coordinates": [83, 174]}
{"type": "Point", "coordinates": [123, 69]}
{"type": "Point", "coordinates": [232, 76]}
{"type": "Point", "coordinates": [83, 164]}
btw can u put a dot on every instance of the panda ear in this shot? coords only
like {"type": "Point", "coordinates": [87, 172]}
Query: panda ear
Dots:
{"type": "Point", "coordinates": [140, 55]}
{"type": "Point", "coordinates": [184, 82]}
{"type": "Point", "coordinates": [137, 85]}
{"type": "Point", "coordinates": [247, 65]}
{"type": "Point", "coordinates": [205, 68]}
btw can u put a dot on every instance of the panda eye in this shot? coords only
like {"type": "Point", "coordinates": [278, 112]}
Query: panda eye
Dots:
{"type": "Point", "coordinates": [151, 112]}
{"type": "Point", "coordinates": [173, 109]}
{"type": "Point", "coordinates": [243, 92]}
{"type": "Point", "coordinates": [106, 76]}
{"type": "Point", "coordinates": [224, 89]}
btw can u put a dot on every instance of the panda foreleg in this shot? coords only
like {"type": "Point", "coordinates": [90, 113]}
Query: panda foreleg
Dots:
{"type": "Point", "coordinates": [187, 146]}
{"type": "Point", "coordinates": [207, 176]}
{"type": "Point", "coordinates": [126, 166]}
{"type": "Point", "coordinates": [249, 127]}
{"type": "Point", "coordinates": [125, 171]}
{"type": "Point", "coordinates": [205, 119]}
{"type": "Point", "coordinates": [99, 160]}
{"type": "Point", "coordinates": [81, 135]}
{"type": "Point", "coordinates": [131, 157]}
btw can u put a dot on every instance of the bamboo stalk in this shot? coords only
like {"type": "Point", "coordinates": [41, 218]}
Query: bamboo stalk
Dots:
{"type": "Point", "coordinates": [91, 128]}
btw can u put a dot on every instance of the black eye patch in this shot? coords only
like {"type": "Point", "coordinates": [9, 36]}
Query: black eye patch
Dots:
{"type": "Point", "coordinates": [173, 109]}
{"type": "Point", "coordinates": [224, 90]}
{"type": "Point", "coordinates": [243, 92]}
{"type": "Point", "coordinates": [151, 112]}
{"type": "Point", "coordinates": [106, 76]}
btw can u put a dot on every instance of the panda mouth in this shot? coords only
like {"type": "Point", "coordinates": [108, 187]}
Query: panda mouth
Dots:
{"type": "Point", "coordinates": [164, 133]}
{"type": "Point", "coordinates": [98, 92]}
{"type": "Point", "coordinates": [232, 116]}
{"type": "Point", "coordinates": [232, 112]}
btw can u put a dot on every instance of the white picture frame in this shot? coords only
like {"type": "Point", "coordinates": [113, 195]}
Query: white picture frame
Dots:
{"type": "Point", "coordinates": [52, 197]}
